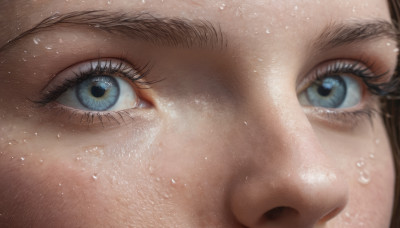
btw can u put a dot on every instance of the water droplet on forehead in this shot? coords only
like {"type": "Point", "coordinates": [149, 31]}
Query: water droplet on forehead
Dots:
{"type": "Point", "coordinates": [22, 159]}
{"type": "Point", "coordinates": [222, 6]}
{"type": "Point", "coordinates": [173, 181]}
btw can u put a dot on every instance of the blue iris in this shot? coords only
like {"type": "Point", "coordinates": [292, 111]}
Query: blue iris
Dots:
{"type": "Point", "coordinates": [329, 92]}
{"type": "Point", "coordinates": [98, 93]}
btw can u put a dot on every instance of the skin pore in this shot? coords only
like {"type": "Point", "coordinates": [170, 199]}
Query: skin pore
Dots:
{"type": "Point", "coordinates": [219, 133]}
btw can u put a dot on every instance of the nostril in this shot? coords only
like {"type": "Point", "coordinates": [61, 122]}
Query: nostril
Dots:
{"type": "Point", "coordinates": [279, 212]}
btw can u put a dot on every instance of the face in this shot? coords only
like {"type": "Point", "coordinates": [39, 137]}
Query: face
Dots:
{"type": "Point", "coordinates": [195, 113]}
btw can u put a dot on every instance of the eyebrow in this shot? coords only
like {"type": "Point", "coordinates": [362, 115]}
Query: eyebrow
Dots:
{"type": "Point", "coordinates": [176, 32]}
{"type": "Point", "coordinates": [339, 34]}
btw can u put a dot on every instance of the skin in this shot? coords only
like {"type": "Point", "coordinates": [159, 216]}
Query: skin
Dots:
{"type": "Point", "coordinates": [223, 142]}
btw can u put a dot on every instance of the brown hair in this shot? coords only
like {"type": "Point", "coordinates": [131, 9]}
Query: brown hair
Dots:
{"type": "Point", "coordinates": [391, 114]}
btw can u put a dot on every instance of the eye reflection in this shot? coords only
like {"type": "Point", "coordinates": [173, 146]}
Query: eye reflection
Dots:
{"type": "Point", "coordinates": [332, 92]}
{"type": "Point", "coordinates": [100, 93]}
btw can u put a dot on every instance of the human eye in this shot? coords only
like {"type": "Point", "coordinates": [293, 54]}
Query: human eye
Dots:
{"type": "Point", "coordinates": [343, 91]}
{"type": "Point", "coordinates": [96, 89]}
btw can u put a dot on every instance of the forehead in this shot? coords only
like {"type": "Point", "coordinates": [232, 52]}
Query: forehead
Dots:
{"type": "Point", "coordinates": [248, 22]}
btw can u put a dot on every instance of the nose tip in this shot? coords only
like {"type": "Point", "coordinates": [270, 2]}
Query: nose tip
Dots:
{"type": "Point", "coordinates": [311, 197]}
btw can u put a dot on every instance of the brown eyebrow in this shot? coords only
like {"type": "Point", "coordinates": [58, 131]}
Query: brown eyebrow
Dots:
{"type": "Point", "coordinates": [144, 26]}
{"type": "Point", "coordinates": [338, 34]}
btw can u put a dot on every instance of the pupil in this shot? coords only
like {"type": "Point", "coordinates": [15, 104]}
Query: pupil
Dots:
{"type": "Point", "coordinates": [98, 91]}
{"type": "Point", "coordinates": [325, 88]}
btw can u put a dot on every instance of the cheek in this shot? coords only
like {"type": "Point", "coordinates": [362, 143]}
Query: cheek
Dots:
{"type": "Point", "coordinates": [39, 192]}
{"type": "Point", "coordinates": [367, 163]}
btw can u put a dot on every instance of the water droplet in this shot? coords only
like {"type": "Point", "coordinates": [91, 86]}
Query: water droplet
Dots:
{"type": "Point", "coordinates": [245, 123]}
{"type": "Point", "coordinates": [59, 184]}
{"type": "Point", "coordinates": [143, 1]}
{"type": "Point", "coordinates": [23, 59]}
{"type": "Point", "coordinates": [388, 44]}
{"type": "Point", "coordinates": [173, 181]}
{"type": "Point", "coordinates": [205, 158]}
{"type": "Point", "coordinates": [41, 160]}
{"type": "Point", "coordinates": [364, 177]}
{"type": "Point", "coordinates": [22, 159]}
{"type": "Point", "coordinates": [267, 31]}
{"type": "Point", "coordinates": [58, 135]}
{"type": "Point", "coordinates": [360, 164]}
{"type": "Point", "coordinates": [78, 158]}
{"type": "Point", "coordinates": [36, 134]}
{"type": "Point", "coordinates": [166, 195]}
{"type": "Point", "coordinates": [36, 40]}
{"type": "Point", "coordinates": [48, 47]}
{"type": "Point", "coordinates": [109, 2]}
{"type": "Point", "coordinates": [94, 177]}
{"type": "Point", "coordinates": [222, 6]}
{"type": "Point", "coordinates": [372, 156]}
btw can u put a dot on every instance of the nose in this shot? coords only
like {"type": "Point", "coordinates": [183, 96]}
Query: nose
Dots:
{"type": "Point", "coordinates": [290, 180]}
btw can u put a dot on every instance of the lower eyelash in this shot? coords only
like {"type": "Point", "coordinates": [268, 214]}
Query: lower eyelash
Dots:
{"type": "Point", "coordinates": [344, 119]}
{"type": "Point", "coordinates": [90, 118]}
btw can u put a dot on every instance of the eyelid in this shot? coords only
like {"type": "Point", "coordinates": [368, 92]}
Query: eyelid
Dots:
{"type": "Point", "coordinates": [372, 81]}
{"type": "Point", "coordinates": [80, 71]}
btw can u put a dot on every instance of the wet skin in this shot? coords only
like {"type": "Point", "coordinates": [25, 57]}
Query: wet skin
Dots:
{"type": "Point", "coordinates": [221, 139]}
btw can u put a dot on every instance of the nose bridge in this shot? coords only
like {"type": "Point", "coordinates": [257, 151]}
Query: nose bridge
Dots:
{"type": "Point", "coordinates": [292, 181]}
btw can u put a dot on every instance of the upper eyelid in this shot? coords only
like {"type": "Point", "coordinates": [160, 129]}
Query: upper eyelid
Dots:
{"type": "Point", "coordinates": [58, 84]}
{"type": "Point", "coordinates": [365, 74]}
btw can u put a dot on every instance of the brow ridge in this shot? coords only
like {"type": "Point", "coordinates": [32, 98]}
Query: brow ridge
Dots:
{"type": "Point", "coordinates": [339, 34]}
{"type": "Point", "coordinates": [176, 32]}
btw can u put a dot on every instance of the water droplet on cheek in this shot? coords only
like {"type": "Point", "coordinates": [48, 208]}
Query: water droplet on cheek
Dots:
{"type": "Point", "coordinates": [222, 6]}
{"type": "Point", "coordinates": [364, 177]}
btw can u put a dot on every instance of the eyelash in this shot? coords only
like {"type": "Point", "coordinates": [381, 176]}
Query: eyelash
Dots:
{"type": "Point", "coordinates": [356, 68]}
{"type": "Point", "coordinates": [133, 73]}
{"type": "Point", "coordinates": [361, 71]}
{"type": "Point", "coordinates": [371, 81]}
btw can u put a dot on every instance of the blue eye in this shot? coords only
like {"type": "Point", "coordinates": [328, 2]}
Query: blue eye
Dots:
{"type": "Point", "coordinates": [332, 92]}
{"type": "Point", "coordinates": [98, 93]}
{"type": "Point", "coordinates": [100, 90]}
